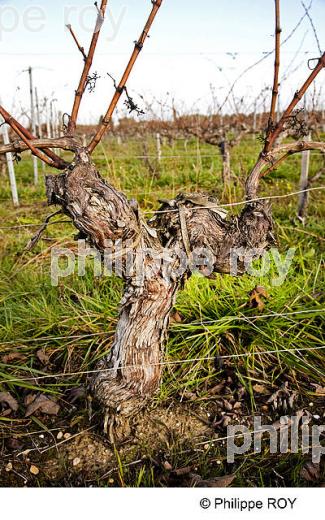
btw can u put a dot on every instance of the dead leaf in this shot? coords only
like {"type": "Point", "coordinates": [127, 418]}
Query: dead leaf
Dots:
{"type": "Point", "coordinates": [260, 389]}
{"type": "Point", "coordinates": [12, 356]}
{"type": "Point", "coordinates": [76, 393]}
{"type": "Point", "coordinates": [319, 390]}
{"type": "Point", "coordinates": [191, 396]}
{"type": "Point", "coordinates": [286, 422]}
{"type": "Point", "coordinates": [310, 471]}
{"type": "Point", "coordinates": [182, 471]}
{"type": "Point", "coordinates": [241, 392]}
{"type": "Point", "coordinates": [176, 317]}
{"type": "Point", "coordinates": [43, 357]}
{"type": "Point", "coordinates": [14, 444]}
{"type": "Point", "coordinates": [283, 399]}
{"type": "Point", "coordinates": [217, 389]}
{"type": "Point", "coordinates": [222, 482]}
{"type": "Point", "coordinates": [10, 401]}
{"type": "Point", "coordinates": [227, 405]}
{"type": "Point", "coordinates": [43, 404]}
{"type": "Point", "coordinates": [29, 399]}
{"type": "Point", "coordinates": [226, 421]}
{"type": "Point", "coordinates": [255, 298]}
{"type": "Point", "coordinates": [34, 470]}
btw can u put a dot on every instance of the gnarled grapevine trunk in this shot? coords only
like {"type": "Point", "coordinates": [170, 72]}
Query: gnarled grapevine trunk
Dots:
{"type": "Point", "coordinates": [134, 364]}
{"type": "Point", "coordinates": [186, 228]}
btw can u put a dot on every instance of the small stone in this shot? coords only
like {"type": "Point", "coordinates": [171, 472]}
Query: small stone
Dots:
{"type": "Point", "coordinates": [34, 470]}
{"type": "Point", "coordinates": [311, 405]}
{"type": "Point", "coordinates": [76, 461]}
{"type": "Point", "coordinates": [9, 467]}
{"type": "Point", "coordinates": [111, 481]}
{"type": "Point", "coordinates": [59, 436]}
{"type": "Point", "coordinates": [67, 436]}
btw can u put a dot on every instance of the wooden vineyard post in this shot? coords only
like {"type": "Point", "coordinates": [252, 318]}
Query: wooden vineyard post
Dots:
{"type": "Point", "coordinates": [11, 168]}
{"type": "Point", "coordinates": [158, 143]}
{"type": "Point", "coordinates": [39, 120]}
{"type": "Point", "coordinates": [303, 184]}
{"type": "Point", "coordinates": [33, 121]}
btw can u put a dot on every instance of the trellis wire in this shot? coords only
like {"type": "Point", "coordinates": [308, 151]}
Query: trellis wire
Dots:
{"type": "Point", "coordinates": [272, 315]}
{"type": "Point", "coordinates": [241, 202]}
{"type": "Point", "coordinates": [162, 363]}
{"type": "Point", "coordinates": [238, 203]}
{"type": "Point", "coordinates": [79, 336]}
{"type": "Point", "coordinates": [183, 156]}
{"type": "Point", "coordinates": [180, 361]}
{"type": "Point", "coordinates": [37, 225]}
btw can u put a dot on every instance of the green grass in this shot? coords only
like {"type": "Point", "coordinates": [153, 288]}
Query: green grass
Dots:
{"type": "Point", "coordinates": [75, 322]}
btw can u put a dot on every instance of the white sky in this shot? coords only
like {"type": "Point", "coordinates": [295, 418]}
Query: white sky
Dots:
{"type": "Point", "coordinates": [189, 44]}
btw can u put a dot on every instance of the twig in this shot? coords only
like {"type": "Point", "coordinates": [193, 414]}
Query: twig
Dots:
{"type": "Point", "coordinates": [122, 84]}
{"type": "Point", "coordinates": [250, 67]}
{"type": "Point", "coordinates": [81, 49]}
{"type": "Point", "coordinates": [275, 89]}
{"type": "Point", "coordinates": [313, 27]}
{"type": "Point", "coordinates": [33, 241]}
{"type": "Point", "coordinates": [88, 63]}
{"type": "Point", "coordinates": [271, 138]}
{"type": "Point", "coordinates": [265, 156]}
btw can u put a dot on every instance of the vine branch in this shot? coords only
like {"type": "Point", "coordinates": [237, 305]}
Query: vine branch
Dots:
{"type": "Point", "coordinates": [81, 49]}
{"type": "Point", "coordinates": [274, 134]}
{"type": "Point", "coordinates": [87, 66]}
{"type": "Point", "coordinates": [47, 156]}
{"type": "Point", "coordinates": [122, 84]}
{"type": "Point", "coordinates": [275, 89]}
{"type": "Point", "coordinates": [64, 143]}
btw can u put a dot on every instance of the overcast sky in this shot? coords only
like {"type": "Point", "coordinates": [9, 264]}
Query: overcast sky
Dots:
{"type": "Point", "coordinates": [194, 45]}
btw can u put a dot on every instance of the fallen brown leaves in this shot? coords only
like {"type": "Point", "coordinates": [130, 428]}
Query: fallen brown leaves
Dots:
{"type": "Point", "coordinates": [256, 297]}
{"type": "Point", "coordinates": [11, 404]}
{"type": "Point", "coordinates": [186, 476]}
{"type": "Point", "coordinates": [319, 390]}
{"type": "Point", "coordinates": [12, 356]}
{"type": "Point", "coordinates": [310, 471]}
{"type": "Point", "coordinates": [283, 399]}
{"type": "Point", "coordinates": [42, 403]}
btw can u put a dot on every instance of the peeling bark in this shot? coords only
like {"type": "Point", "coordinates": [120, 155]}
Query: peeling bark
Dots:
{"type": "Point", "coordinates": [130, 374]}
